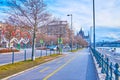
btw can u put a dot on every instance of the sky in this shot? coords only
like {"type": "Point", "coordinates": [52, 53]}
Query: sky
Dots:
{"type": "Point", "coordinates": [107, 16]}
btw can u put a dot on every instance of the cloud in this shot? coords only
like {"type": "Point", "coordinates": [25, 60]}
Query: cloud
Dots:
{"type": "Point", "coordinates": [107, 15]}
{"type": "Point", "coordinates": [81, 12]}
{"type": "Point", "coordinates": [107, 33]}
{"type": "Point", "coordinates": [107, 11]}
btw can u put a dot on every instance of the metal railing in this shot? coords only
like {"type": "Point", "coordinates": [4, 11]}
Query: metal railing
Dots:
{"type": "Point", "coordinates": [111, 70]}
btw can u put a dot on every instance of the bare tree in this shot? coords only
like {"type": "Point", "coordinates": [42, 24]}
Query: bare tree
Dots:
{"type": "Point", "coordinates": [79, 40]}
{"type": "Point", "coordinates": [8, 30]}
{"type": "Point", "coordinates": [30, 13]}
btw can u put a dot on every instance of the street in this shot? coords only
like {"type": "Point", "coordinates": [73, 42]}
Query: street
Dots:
{"type": "Point", "coordinates": [72, 66]}
{"type": "Point", "coordinates": [6, 58]}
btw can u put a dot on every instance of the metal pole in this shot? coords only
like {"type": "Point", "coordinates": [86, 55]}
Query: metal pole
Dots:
{"type": "Point", "coordinates": [71, 34]}
{"type": "Point", "coordinates": [25, 55]}
{"type": "Point", "coordinates": [90, 36]}
{"type": "Point", "coordinates": [12, 55]}
{"type": "Point", "coordinates": [41, 52]}
{"type": "Point", "coordinates": [71, 31]}
{"type": "Point", "coordinates": [94, 24]}
{"type": "Point", "coordinates": [46, 52]}
{"type": "Point", "coordinates": [24, 52]}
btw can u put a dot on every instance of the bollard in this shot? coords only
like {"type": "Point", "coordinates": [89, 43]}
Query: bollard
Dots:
{"type": "Point", "coordinates": [50, 52]}
{"type": "Point", "coordinates": [41, 52]}
{"type": "Point", "coordinates": [13, 57]}
{"type": "Point", "coordinates": [54, 51]}
{"type": "Point", "coordinates": [116, 72]}
{"type": "Point", "coordinates": [46, 52]}
{"type": "Point", "coordinates": [107, 70]}
{"type": "Point", "coordinates": [102, 70]}
{"type": "Point", "coordinates": [111, 71]}
{"type": "Point", "coordinates": [25, 55]}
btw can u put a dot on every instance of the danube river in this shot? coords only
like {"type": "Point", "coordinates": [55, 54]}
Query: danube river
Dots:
{"type": "Point", "coordinates": [113, 53]}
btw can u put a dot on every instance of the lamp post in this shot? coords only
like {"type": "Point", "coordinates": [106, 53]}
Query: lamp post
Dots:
{"type": "Point", "coordinates": [90, 37]}
{"type": "Point", "coordinates": [71, 30]}
{"type": "Point", "coordinates": [94, 24]}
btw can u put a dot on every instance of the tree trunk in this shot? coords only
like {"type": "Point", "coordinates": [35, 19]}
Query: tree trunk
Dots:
{"type": "Point", "coordinates": [33, 44]}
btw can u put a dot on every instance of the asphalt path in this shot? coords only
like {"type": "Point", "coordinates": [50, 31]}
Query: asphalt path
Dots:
{"type": "Point", "coordinates": [72, 66]}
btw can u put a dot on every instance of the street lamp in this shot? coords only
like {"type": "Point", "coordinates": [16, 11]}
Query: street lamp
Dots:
{"type": "Point", "coordinates": [90, 36]}
{"type": "Point", "coordinates": [71, 31]}
{"type": "Point", "coordinates": [94, 24]}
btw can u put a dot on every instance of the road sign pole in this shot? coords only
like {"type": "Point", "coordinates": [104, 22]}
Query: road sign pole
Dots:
{"type": "Point", "coordinates": [24, 52]}
{"type": "Point", "coordinates": [12, 56]}
{"type": "Point", "coordinates": [41, 52]}
{"type": "Point", "coordinates": [46, 52]}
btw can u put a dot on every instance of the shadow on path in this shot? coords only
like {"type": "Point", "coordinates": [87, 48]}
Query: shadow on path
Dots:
{"type": "Point", "coordinates": [91, 70]}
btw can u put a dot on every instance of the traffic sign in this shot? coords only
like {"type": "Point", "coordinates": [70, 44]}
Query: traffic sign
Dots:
{"type": "Point", "coordinates": [18, 46]}
{"type": "Point", "coordinates": [41, 41]}
{"type": "Point", "coordinates": [60, 41]}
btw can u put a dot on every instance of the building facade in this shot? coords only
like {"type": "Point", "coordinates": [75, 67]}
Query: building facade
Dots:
{"type": "Point", "coordinates": [56, 28]}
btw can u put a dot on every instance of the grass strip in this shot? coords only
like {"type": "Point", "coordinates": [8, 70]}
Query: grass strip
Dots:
{"type": "Point", "coordinates": [75, 50]}
{"type": "Point", "coordinates": [10, 69]}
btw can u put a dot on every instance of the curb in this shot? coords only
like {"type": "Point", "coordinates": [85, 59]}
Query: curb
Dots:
{"type": "Point", "coordinates": [100, 75]}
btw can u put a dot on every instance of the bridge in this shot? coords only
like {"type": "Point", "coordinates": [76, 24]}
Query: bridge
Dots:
{"type": "Point", "coordinates": [108, 44]}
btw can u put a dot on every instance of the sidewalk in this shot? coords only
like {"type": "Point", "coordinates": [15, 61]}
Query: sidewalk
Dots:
{"type": "Point", "coordinates": [91, 68]}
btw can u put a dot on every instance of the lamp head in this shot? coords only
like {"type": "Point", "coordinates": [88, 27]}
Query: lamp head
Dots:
{"type": "Point", "coordinates": [68, 15]}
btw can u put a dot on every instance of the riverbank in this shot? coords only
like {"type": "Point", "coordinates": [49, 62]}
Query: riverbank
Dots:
{"type": "Point", "coordinates": [114, 56]}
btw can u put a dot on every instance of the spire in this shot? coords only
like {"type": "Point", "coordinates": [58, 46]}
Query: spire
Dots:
{"type": "Point", "coordinates": [81, 29]}
{"type": "Point", "coordinates": [88, 34]}
{"type": "Point", "coordinates": [81, 32]}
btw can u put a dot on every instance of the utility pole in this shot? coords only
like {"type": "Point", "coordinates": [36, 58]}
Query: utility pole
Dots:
{"type": "Point", "coordinates": [71, 31]}
{"type": "Point", "coordinates": [94, 24]}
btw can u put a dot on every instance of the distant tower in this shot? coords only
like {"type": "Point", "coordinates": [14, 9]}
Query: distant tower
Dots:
{"type": "Point", "coordinates": [81, 33]}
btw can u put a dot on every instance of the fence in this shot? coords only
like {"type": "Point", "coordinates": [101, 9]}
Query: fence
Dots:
{"type": "Point", "coordinates": [111, 70]}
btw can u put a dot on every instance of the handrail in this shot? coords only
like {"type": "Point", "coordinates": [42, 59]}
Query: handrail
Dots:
{"type": "Point", "coordinates": [111, 70]}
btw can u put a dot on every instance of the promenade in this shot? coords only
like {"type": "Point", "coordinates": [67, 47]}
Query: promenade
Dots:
{"type": "Point", "coordinates": [72, 66]}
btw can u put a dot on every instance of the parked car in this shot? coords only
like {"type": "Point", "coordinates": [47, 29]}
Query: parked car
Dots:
{"type": "Point", "coordinates": [53, 47]}
{"type": "Point", "coordinates": [66, 47]}
{"type": "Point", "coordinates": [41, 48]}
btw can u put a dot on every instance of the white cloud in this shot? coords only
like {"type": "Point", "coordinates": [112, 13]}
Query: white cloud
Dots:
{"type": "Point", "coordinates": [81, 12]}
{"type": "Point", "coordinates": [107, 12]}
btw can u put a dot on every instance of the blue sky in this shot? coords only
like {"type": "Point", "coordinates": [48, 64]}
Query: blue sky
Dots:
{"type": "Point", "coordinates": [107, 15]}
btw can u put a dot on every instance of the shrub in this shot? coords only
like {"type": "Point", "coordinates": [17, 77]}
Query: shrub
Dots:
{"type": "Point", "coordinates": [8, 50]}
